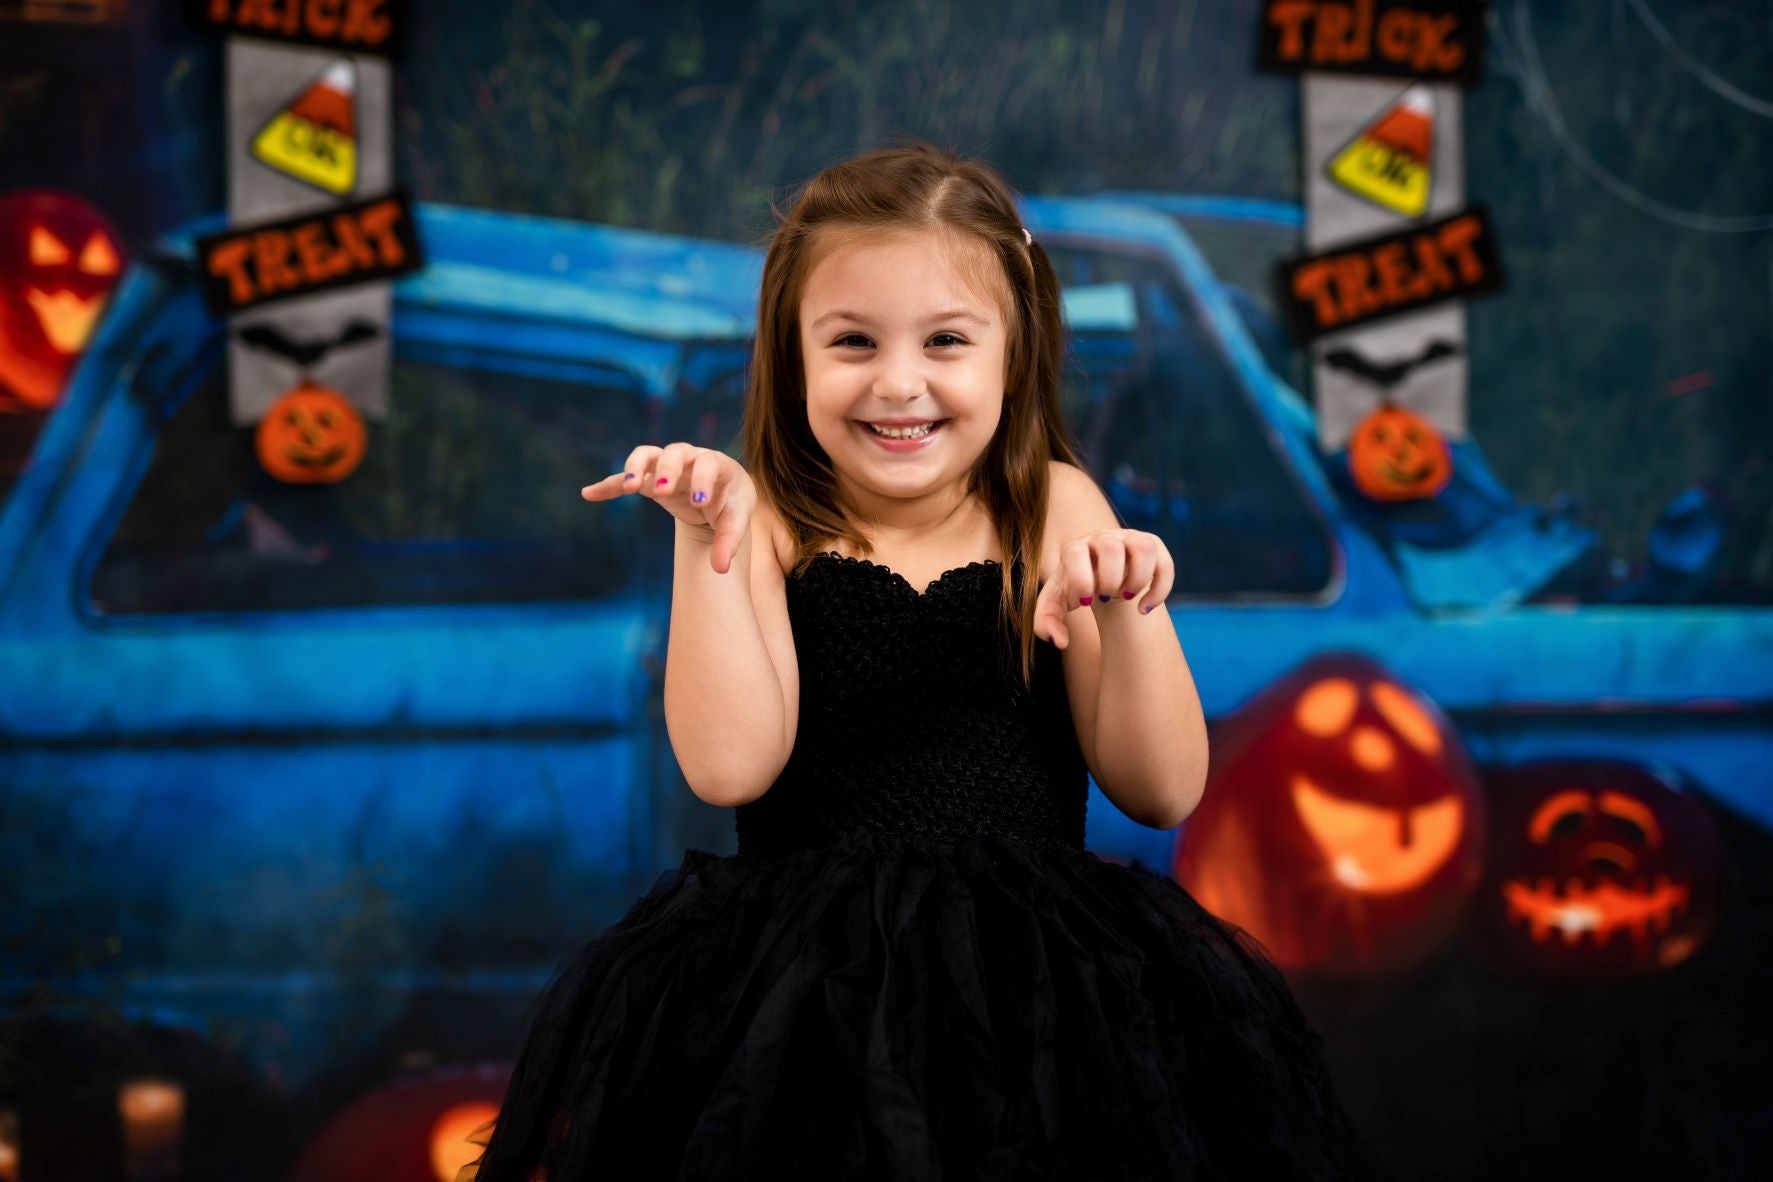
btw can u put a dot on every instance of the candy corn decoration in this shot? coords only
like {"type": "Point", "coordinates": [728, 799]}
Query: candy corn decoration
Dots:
{"type": "Point", "coordinates": [1390, 162]}
{"type": "Point", "coordinates": [314, 137]}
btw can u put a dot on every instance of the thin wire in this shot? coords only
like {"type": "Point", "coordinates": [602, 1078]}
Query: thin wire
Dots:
{"type": "Point", "coordinates": [1698, 69]}
{"type": "Point", "coordinates": [1522, 57]}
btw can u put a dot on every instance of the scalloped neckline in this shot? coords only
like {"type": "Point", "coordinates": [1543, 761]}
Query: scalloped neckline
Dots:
{"type": "Point", "coordinates": [901, 580]}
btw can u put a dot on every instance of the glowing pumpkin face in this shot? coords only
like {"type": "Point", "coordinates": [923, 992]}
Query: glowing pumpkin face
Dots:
{"type": "Point", "coordinates": [311, 435]}
{"type": "Point", "coordinates": [1342, 822]}
{"type": "Point", "coordinates": [1395, 455]}
{"type": "Point", "coordinates": [1600, 870]}
{"type": "Point", "coordinates": [59, 260]}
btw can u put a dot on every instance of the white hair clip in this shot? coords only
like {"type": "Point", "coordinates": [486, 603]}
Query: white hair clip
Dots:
{"type": "Point", "coordinates": [1027, 235]}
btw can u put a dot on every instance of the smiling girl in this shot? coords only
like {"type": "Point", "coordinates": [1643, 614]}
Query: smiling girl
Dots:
{"type": "Point", "coordinates": [904, 634]}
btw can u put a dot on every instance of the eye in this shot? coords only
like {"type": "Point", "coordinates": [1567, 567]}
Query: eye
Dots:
{"type": "Point", "coordinates": [958, 341]}
{"type": "Point", "coordinates": [1563, 814]}
{"type": "Point", "coordinates": [852, 336]}
{"type": "Point", "coordinates": [1632, 816]}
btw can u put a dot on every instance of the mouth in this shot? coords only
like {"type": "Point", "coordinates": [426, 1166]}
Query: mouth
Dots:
{"type": "Point", "coordinates": [325, 459]}
{"type": "Point", "coordinates": [900, 440]}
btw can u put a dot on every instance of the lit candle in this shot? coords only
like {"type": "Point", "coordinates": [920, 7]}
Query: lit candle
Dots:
{"type": "Point", "coordinates": [8, 1145]}
{"type": "Point", "coordinates": [153, 1113]}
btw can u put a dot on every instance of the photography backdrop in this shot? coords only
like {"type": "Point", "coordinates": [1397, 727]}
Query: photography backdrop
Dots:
{"type": "Point", "coordinates": [306, 786]}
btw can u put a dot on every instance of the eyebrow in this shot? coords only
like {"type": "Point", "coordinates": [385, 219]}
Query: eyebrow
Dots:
{"type": "Point", "coordinates": [950, 314]}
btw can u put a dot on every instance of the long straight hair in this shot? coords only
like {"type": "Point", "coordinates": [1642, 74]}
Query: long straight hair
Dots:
{"type": "Point", "coordinates": [915, 186]}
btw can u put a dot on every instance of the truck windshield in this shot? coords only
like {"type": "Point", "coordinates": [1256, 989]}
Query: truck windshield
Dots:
{"type": "Point", "coordinates": [1174, 438]}
{"type": "Point", "coordinates": [468, 493]}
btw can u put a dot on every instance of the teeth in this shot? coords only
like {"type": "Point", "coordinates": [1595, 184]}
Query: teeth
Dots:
{"type": "Point", "coordinates": [903, 432]}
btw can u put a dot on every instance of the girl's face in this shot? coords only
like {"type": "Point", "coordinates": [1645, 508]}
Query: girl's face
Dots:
{"type": "Point", "coordinates": [893, 327]}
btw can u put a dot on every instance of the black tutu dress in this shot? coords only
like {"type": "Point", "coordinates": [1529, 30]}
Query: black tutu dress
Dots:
{"type": "Point", "coordinates": [912, 969]}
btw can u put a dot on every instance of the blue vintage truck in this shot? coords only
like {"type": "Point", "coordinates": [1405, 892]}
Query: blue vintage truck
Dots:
{"type": "Point", "coordinates": [282, 761]}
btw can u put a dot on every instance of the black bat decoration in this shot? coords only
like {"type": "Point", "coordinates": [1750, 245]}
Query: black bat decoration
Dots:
{"type": "Point", "coordinates": [1387, 374]}
{"type": "Point", "coordinates": [306, 353]}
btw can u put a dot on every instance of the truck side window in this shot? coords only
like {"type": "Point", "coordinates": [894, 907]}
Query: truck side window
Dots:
{"type": "Point", "coordinates": [468, 493]}
{"type": "Point", "coordinates": [1173, 438]}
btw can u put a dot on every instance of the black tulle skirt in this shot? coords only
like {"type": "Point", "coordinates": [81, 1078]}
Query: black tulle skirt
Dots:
{"type": "Point", "coordinates": [889, 1008]}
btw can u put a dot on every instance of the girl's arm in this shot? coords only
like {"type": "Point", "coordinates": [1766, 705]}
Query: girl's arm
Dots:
{"type": "Point", "coordinates": [730, 720]}
{"type": "Point", "coordinates": [1151, 734]}
{"type": "Point", "coordinates": [1133, 699]}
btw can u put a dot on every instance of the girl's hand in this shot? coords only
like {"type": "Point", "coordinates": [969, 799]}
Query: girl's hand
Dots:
{"type": "Point", "coordinates": [1101, 569]}
{"type": "Point", "coordinates": [699, 486]}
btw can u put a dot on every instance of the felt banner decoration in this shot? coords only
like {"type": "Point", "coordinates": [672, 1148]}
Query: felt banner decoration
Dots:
{"type": "Point", "coordinates": [1430, 39]}
{"type": "Point", "coordinates": [361, 26]}
{"type": "Point", "coordinates": [1392, 250]}
{"type": "Point", "coordinates": [1394, 455]}
{"type": "Point", "coordinates": [315, 230]}
{"type": "Point", "coordinates": [314, 138]}
{"type": "Point", "coordinates": [65, 12]}
{"type": "Point", "coordinates": [1374, 278]}
{"type": "Point", "coordinates": [311, 435]}
{"type": "Point", "coordinates": [245, 266]}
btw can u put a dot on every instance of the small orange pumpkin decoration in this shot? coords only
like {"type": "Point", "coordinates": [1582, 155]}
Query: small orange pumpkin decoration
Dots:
{"type": "Point", "coordinates": [311, 435]}
{"type": "Point", "coordinates": [1397, 455]}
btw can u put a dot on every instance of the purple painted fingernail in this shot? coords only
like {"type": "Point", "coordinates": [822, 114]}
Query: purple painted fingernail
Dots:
{"type": "Point", "coordinates": [698, 496]}
{"type": "Point", "coordinates": [1084, 600]}
{"type": "Point", "coordinates": [628, 476]}
{"type": "Point", "coordinates": [1126, 594]}
{"type": "Point", "coordinates": [1148, 609]}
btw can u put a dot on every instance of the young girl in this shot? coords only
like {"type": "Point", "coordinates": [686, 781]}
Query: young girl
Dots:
{"type": "Point", "coordinates": [912, 969]}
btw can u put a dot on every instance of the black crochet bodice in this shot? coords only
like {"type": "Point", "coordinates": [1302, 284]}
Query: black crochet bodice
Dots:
{"type": "Point", "coordinates": [913, 718]}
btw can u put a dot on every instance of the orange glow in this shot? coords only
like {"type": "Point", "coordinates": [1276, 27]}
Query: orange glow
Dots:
{"type": "Point", "coordinates": [450, 1147]}
{"type": "Point", "coordinates": [1618, 804]}
{"type": "Point", "coordinates": [1379, 850]}
{"type": "Point", "coordinates": [1407, 717]}
{"type": "Point", "coordinates": [1556, 807]}
{"type": "Point", "coordinates": [1326, 707]}
{"type": "Point", "coordinates": [46, 249]}
{"type": "Point", "coordinates": [99, 258]}
{"type": "Point", "coordinates": [9, 1164]}
{"type": "Point", "coordinates": [1601, 910]}
{"type": "Point", "coordinates": [67, 319]}
{"type": "Point", "coordinates": [153, 1115]}
{"type": "Point", "coordinates": [1371, 749]}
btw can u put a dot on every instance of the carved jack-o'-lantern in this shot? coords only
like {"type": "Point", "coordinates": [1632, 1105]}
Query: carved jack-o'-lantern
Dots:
{"type": "Point", "coordinates": [59, 260]}
{"type": "Point", "coordinates": [1342, 822]}
{"type": "Point", "coordinates": [1396, 455]}
{"type": "Point", "coordinates": [311, 435]}
{"type": "Point", "coordinates": [1599, 869]}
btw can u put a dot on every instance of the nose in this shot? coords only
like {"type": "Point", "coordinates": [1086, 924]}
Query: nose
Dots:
{"type": "Point", "coordinates": [901, 375]}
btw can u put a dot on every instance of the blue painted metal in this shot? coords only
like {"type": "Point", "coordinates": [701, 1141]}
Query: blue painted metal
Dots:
{"type": "Point", "coordinates": [1223, 208]}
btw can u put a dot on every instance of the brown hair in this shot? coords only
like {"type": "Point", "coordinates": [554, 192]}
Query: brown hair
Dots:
{"type": "Point", "coordinates": [916, 186]}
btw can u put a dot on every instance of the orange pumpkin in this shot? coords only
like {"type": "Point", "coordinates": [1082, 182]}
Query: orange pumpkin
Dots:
{"type": "Point", "coordinates": [414, 1129]}
{"type": "Point", "coordinates": [1397, 455]}
{"type": "Point", "coordinates": [311, 435]}
{"type": "Point", "coordinates": [1342, 823]}
{"type": "Point", "coordinates": [1601, 870]}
